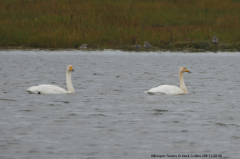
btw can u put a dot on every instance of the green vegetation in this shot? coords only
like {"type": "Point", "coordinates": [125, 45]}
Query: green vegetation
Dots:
{"type": "Point", "coordinates": [120, 24]}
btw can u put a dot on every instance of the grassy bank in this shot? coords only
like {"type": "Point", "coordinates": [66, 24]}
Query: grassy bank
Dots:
{"type": "Point", "coordinates": [119, 24]}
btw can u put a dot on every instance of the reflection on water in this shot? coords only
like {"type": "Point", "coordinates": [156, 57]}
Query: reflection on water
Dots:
{"type": "Point", "coordinates": [110, 116]}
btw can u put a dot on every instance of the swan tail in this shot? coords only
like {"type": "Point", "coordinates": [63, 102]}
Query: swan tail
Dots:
{"type": "Point", "coordinates": [154, 93]}
{"type": "Point", "coordinates": [150, 93]}
{"type": "Point", "coordinates": [29, 91]}
{"type": "Point", "coordinates": [33, 90]}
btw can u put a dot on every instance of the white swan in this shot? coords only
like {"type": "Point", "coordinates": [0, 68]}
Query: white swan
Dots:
{"type": "Point", "coordinates": [51, 89]}
{"type": "Point", "coordinates": [170, 89]}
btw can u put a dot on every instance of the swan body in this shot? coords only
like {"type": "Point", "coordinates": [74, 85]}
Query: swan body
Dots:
{"type": "Point", "coordinates": [46, 89]}
{"type": "Point", "coordinates": [170, 89]}
{"type": "Point", "coordinates": [166, 89]}
{"type": "Point", "coordinates": [52, 89]}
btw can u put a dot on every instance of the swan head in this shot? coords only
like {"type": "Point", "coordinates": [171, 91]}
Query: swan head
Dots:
{"type": "Point", "coordinates": [184, 69]}
{"type": "Point", "coordinates": [70, 68]}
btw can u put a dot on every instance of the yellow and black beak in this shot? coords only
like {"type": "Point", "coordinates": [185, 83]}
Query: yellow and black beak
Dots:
{"type": "Point", "coordinates": [71, 69]}
{"type": "Point", "coordinates": [188, 71]}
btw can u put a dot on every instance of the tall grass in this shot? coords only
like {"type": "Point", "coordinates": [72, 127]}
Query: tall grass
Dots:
{"type": "Point", "coordinates": [114, 23]}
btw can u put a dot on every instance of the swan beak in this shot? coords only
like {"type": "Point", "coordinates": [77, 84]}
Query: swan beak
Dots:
{"type": "Point", "coordinates": [72, 70]}
{"type": "Point", "coordinates": [188, 71]}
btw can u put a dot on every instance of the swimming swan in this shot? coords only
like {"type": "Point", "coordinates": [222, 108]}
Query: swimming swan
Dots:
{"type": "Point", "coordinates": [51, 89]}
{"type": "Point", "coordinates": [170, 89]}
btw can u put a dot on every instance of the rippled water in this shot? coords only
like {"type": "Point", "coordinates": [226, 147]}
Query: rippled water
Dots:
{"type": "Point", "coordinates": [110, 116]}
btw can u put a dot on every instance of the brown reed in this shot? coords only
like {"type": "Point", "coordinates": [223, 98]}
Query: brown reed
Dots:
{"type": "Point", "coordinates": [118, 24]}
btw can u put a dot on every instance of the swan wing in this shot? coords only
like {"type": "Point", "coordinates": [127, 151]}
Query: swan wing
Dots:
{"type": "Point", "coordinates": [46, 89]}
{"type": "Point", "coordinates": [166, 89]}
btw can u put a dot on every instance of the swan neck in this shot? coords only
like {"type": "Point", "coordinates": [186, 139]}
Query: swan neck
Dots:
{"type": "Point", "coordinates": [69, 82]}
{"type": "Point", "coordinates": [182, 84]}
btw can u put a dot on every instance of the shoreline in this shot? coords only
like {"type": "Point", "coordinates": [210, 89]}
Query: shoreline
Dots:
{"type": "Point", "coordinates": [188, 46]}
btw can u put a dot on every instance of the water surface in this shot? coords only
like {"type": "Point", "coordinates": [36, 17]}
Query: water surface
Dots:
{"type": "Point", "coordinates": [110, 116]}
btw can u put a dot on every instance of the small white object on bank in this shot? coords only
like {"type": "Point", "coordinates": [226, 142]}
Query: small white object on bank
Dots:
{"type": "Point", "coordinates": [137, 46]}
{"type": "Point", "coordinates": [84, 46]}
{"type": "Point", "coordinates": [214, 39]}
{"type": "Point", "coordinates": [147, 45]}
